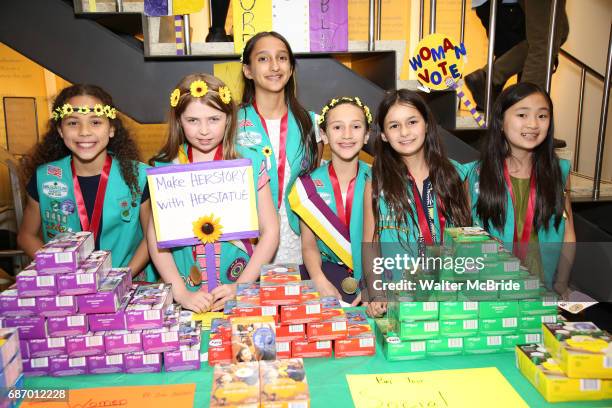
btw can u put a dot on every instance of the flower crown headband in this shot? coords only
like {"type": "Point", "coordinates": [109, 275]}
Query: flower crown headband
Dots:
{"type": "Point", "coordinates": [198, 89]}
{"type": "Point", "coordinates": [99, 110]}
{"type": "Point", "coordinates": [336, 101]}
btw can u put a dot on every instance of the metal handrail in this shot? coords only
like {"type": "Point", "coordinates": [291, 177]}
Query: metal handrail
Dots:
{"type": "Point", "coordinates": [379, 21]}
{"type": "Point", "coordinates": [371, 26]}
{"type": "Point", "coordinates": [581, 64]}
{"type": "Point", "coordinates": [186, 34]}
{"type": "Point", "coordinates": [551, 43]}
{"type": "Point", "coordinates": [432, 16]}
{"type": "Point", "coordinates": [119, 6]}
{"type": "Point", "coordinates": [489, 89]}
{"type": "Point", "coordinates": [603, 120]}
{"type": "Point", "coordinates": [462, 32]}
{"type": "Point", "coordinates": [421, 19]}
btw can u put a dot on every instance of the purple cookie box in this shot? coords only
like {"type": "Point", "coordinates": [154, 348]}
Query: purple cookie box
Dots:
{"type": "Point", "coordinates": [36, 367]}
{"type": "Point", "coordinates": [24, 349]}
{"type": "Point", "coordinates": [55, 306]}
{"type": "Point", "coordinates": [32, 327]}
{"type": "Point", "coordinates": [142, 363]}
{"type": "Point", "coordinates": [185, 359]}
{"type": "Point", "coordinates": [122, 341]}
{"type": "Point", "coordinates": [67, 325]}
{"type": "Point", "coordinates": [51, 346]}
{"type": "Point", "coordinates": [88, 277]}
{"type": "Point", "coordinates": [12, 305]}
{"type": "Point", "coordinates": [190, 333]}
{"type": "Point", "coordinates": [109, 321]}
{"type": "Point", "coordinates": [160, 340]}
{"type": "Point", "coordinates": [106, 300]}
{"type": "Point", "coordinates": [61, 366]}
{"type": "Point", "coordinates": [64, 253]}
{"type": "Point", "coordinates": [147, 307]}
{"type": "Point", "coordinates": [90, 344]}
{"type": "Point", "coordinates": [31, 283]}
{"type": "Point", "coordinates": [105, 364]}
{"type": "Point", "coordinates": [126, 274]}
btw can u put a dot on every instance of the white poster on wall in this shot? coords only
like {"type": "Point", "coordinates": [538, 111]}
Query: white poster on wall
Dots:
{"type": "Point", "coordinates": [291, 19]}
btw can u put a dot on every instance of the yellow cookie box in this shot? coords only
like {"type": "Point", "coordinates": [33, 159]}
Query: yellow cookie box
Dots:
{"type": "Point", "coordinates": [581, 348]}
{"type": "Point", "coordinates": [543, 372]}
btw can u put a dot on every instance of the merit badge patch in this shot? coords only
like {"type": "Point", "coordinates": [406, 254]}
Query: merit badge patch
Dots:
{"type": "Point", "coordinates": [248, 139]}
{"type": "Point", "coordinates": [54, 171]}
{"type": "Point", "coordinates": [245, 123]}
{"type": "Point", "coordinates": [235, 269]}
{"type": "Point", "coordinates": [317, 183]}
{"type": "Point", "coordinates": [67, 207]}
{"type": "Point", "coordinates": [55, 189]}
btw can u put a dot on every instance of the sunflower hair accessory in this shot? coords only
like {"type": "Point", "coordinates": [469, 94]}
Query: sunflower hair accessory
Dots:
{"type": "Point", "coordinates": [198, 89]}
{"type": "Point", "coordinates": [99, 110]}
{"type": "Point", "coordinates": [336, 101]}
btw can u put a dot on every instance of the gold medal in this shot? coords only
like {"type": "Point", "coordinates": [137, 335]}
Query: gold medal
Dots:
{"type": "Point", "coordinates": [195, 275]}
{"type": "Point", "coordinates": [349, 285]}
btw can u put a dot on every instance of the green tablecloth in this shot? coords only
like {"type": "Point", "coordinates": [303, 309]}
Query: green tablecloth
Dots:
{"type": "Point", "coordinates": [326, 377]}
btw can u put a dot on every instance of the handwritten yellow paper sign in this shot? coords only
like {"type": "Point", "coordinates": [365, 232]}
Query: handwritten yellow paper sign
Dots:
{"type": "Point", "coordinates": [182, 7]}
{"type": "Point", "coordinates": [474, 387]}
{"type": "Point", "coordinates": [250, 17]}
{"type": "Point", "coordinates": [231, 74]}
{"type": "Point", "coordinates": [175, 396]}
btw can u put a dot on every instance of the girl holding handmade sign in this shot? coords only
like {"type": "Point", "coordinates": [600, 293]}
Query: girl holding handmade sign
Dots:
{"type": "Point", "coordinates": [202, 126]}
{"type": "Point", "coordinates": [85, 176]}
{"type": "Point", "coordinates": [517, 187]}
{"type": "Point", "coordinates": [272, 121]}
{"type": "Point", "coordinates": [416, 190]}
{"type": "Point", "coordinates": [329, 201]}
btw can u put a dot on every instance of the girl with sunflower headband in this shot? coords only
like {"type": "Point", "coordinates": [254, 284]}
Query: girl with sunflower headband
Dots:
{"type": "Point", "coordinates": [272, 121]}
{"type": "Point", "coordinates": [202, 127]}
{"type": "Point", "coordinates": [416, 190]}
{"type": "Point", "coordinates": [85, 176]}
{"type": "Point", "coordinates": [330, 205]}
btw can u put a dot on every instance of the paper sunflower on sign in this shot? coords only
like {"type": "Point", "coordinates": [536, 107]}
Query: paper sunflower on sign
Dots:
{"type": "Point", "coordinates": [208, 229]}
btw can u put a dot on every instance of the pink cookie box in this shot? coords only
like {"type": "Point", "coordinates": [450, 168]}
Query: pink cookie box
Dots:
{"type": "Point", "coordinates": [106, 364]}
{"type": "Point", "coordinates": [64, 253]}
{"type": "Point", "coordinates": [36, 367]}
{"type": "Point", "coordinates": [107, 299]}
{"type": "Point", "coordinates": [51, 346]}
{"type": "Point", "coordinates": [126, 274]}
{"type": "Point", "coordinates": [31, 283]}
{"type": "Point", "coordinates": [185, 359]}
{"type": "Point", "coordinates": [190, 333]}
{"type": "Point", "coordinates": [160, 340]}
{"type": "Point", "coordinates": [10, 346]}
{"type": "Point", "coordinates": [109, 321]}
{"type": "Point", "coordinates": [32, 327]}
{"type": "Point", "coordinates": [142, 363]}
{"type": "Point", "coordinates": [147, 307]}
{"type": "Point", "coordinates": [67, 325]}
{"type": "Point", "coordinates": [122, 341]}
{"type": "Point", "coordinates": [88, 277]}
{"type": "Point", "coordinates": [56, 306]}
{"type": "Point", "coordinates": [90, 344]}
{"type": "Point", "coordinates": [61, 366]}
{"type": "Point", "coordinates": [24, 349]}
{"type": "Point", "coordinates": [12, 305]}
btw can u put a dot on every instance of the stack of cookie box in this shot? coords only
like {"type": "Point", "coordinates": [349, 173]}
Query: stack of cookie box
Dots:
{"type": "Point", "coordinates": [77, 315]}
{"type": "Point", "coordinates": [306, 324]}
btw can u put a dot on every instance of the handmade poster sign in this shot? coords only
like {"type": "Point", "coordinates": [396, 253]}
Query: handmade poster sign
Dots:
{"type": "Point", "coordinates": [291, 19]}
{"type": "Point", "coordinates": [250, 17]}
{"type": "Point", "coordinates": [328, 25]}
{"type": "Point", "coordinates": [203, 202]}
{"type": "Point", "coordinates": [438, 57]}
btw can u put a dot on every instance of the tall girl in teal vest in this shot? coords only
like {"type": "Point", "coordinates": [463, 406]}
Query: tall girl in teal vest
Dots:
{"type": "Point", "coordinates": [517, 187]}
{"type": "Point", "coordinates": [85, 175]}
{"type": "Point", "coordinates": [416, 191]}
{"type": "Point", "coordinates": [329, 202]}
{"type": "Point", "coordinates": [202, 127]}
{"type": "Point", "coordinates": [272, 121]}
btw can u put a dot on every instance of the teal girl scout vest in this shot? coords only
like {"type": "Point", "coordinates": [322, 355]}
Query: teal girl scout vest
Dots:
{"type": "Point", "coordinates": [252, 136]}
{"type": "Point", "coordinates": [121, 230]}
{"type": "Point", "coordinates": [319, 183]}
{"type": "Point", "coordinates": [233, 257]}
{"type": "Point", "coordinates": [550, 252]}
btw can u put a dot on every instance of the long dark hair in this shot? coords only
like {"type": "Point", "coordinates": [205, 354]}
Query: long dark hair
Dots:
{"type": "Point", "coordinates": [212, 98]}
{"type": "Point", "coordinates": [52, 146]}
{"type": "Point", "coordinates": [492, 197]}
{"type": "Point", "coordinates": [307, 131]}
{"type": "Point", "coordinates": [390, 178]}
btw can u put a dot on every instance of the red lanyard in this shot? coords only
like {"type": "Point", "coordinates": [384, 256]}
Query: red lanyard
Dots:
{"type": "Point", "coordinates": [343, 214]}
{"type": "Point", "coordinates": [521, 250]}
{"type": "Point", "coordinates": [218, 153]}
{"type": "Point", "coordinates": [423, 224]}
{"type": "Point", "coordinates": [282, 154]}
{"type": "Point", "coordinates": [96, 215]}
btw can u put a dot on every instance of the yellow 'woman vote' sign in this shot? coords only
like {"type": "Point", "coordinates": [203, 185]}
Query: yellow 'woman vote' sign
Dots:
{"type": "Point", "coordinates": [438, 57]}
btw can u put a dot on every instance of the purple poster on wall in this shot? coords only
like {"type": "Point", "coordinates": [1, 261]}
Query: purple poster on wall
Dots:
{"type": "Point", "coordinates": [156, 8]}
{"type": "Point", "coordinates": [328, 25]}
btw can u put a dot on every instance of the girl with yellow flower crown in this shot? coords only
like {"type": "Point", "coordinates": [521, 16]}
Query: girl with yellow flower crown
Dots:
{"type": "Point", "coordinates": [202, 127]}
{"type": "Point", "coordinates": [272, 121]}
{"type": "Point", "coordinates": [85, 176]}
{"type": "Point", "coordinates": [330, 205]}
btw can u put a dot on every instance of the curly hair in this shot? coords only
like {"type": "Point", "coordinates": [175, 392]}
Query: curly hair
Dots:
{"type": "Point", "coordinates": [52, 147]}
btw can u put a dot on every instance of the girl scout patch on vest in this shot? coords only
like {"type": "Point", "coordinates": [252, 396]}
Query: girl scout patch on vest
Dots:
{"type": "Point", "coordinates": [54, 171]}
{"type": "Point", "coordinates": [67, 206]}
{"type": "Point", "coordinates": [235, 269]}
{"type": "Point", "coordinates": [126, 209]}
{"type": "Point", "coordinates": [55, 189]}
{"type": "Point", "coordinates": [245, 123]}
{"type": "Point", "coordinates": [248, 139]}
